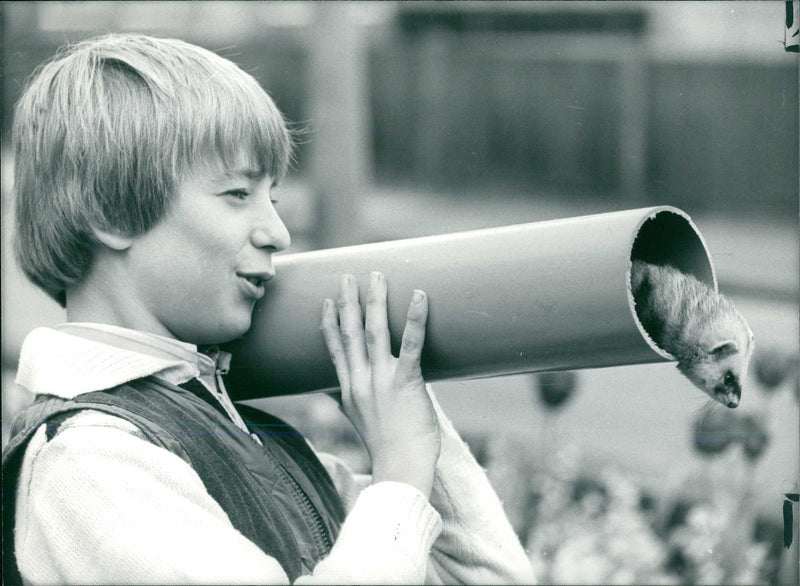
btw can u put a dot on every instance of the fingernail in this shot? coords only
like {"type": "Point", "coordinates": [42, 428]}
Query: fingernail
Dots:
{"type": "Point", "coordinates": [327, 304]}
{"type": "Point", "coordinates": [418, 296]}
{"type": "Point", "coordinates": [375, 278]}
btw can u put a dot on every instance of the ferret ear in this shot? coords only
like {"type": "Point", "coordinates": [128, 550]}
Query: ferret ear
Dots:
{"type": "Point", "coordinates": [724, 349]}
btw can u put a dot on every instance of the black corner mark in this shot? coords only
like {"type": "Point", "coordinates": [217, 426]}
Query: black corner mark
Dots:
{"type": "Point", "coordinates": [788, 517]}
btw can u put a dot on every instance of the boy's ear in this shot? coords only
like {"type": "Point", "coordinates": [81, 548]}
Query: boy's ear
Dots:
{"type": "Point", "coordinates": [113, 240]}
{"type": "Point", "coordinates": [724, 349]}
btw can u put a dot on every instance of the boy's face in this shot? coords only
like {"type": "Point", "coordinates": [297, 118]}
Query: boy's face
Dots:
{"type": "Point", "coordinates": [199, 272]}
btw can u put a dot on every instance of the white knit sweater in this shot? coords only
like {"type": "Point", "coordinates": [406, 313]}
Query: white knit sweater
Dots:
{"type": "Point", "coordinates": [98, 504]}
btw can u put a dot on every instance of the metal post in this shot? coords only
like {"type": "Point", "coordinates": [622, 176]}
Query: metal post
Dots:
{"type": "Point", "coordinates": [339, 121]}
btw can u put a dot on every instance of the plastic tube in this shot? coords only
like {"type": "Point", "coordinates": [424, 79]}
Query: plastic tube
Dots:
{"type": "Point", "coordinates": [533, 297]}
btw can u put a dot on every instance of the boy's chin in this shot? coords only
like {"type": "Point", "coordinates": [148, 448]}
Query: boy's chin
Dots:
{"type": "Point", "coordinates": [233, 333]}
{"type": "Point", "coordinates": [221, 332]}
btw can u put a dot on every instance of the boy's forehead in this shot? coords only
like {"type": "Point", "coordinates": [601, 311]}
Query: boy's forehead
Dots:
{"type": "Point", "coordinates": [217, 170]}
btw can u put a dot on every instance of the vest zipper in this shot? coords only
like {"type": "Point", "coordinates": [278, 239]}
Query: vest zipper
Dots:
{"type": "Point", "coordinates": [322, 538]}
{"type": "Point", "coordinates": [228, 405]}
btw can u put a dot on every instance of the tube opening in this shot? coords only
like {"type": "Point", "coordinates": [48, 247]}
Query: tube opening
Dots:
{"type": "Point", "coordinates": [668, 237]}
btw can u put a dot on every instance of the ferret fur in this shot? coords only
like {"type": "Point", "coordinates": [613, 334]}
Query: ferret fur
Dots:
{"type": "Point", "coordinates": [703, 331]}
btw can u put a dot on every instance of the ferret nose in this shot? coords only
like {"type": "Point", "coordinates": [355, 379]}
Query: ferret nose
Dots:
{"type": "Point", "coordinates": [729, 394]}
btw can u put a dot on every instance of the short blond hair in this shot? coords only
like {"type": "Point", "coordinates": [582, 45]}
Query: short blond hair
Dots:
{"type": "Point", "coordinates": [106, 129]}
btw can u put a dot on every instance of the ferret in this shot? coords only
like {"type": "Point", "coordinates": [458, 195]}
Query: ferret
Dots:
{"type": "Point", "coordinates": [710, 340]}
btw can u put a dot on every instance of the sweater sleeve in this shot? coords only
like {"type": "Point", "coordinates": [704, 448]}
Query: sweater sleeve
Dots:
{"type": "Point", "coordinates": [477, 544]}
{"type": "Point", "coordinates": [97, 504]}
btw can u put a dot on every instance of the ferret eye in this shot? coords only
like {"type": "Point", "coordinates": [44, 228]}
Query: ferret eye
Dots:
{"type": "Point", "coordinates": [729, 378]}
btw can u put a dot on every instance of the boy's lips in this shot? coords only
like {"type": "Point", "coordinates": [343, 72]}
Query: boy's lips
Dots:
{"type": "Point", "coordinates": [253, 283]}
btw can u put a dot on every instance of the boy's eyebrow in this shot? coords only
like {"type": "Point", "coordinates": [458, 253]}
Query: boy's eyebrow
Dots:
{"type": "Point", "coordinates": [247, 173]}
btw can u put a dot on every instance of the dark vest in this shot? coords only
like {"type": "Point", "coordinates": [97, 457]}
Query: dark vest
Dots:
{"type": "Point", "coordinates": [279, 496]}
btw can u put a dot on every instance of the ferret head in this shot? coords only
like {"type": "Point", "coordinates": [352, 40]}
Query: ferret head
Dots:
{"type": "Point", "coordinates": [719, 368]}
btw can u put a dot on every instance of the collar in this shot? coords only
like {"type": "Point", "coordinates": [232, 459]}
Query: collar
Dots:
{"type": "Point", "coordinates": [77, 358]}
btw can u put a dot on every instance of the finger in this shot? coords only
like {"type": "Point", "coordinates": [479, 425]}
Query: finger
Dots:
{"type": "Point", "coordinates": [376, 331]}
{"type": "Point", "coordinates": [333, 340]}
{"type": "Point", "coordinates": [408, 365]}
{"type": "Point", "coordinates": [351, 326]}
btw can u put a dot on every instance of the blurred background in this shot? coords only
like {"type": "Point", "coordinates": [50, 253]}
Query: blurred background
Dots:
{"type": "Point", "coordinates": [422, 118]}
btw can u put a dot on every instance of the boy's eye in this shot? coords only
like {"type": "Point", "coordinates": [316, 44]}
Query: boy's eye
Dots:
{"type": "Point", "coordinates": [238, 193]}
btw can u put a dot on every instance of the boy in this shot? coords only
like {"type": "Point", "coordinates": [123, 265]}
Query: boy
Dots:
{"type": "Point", "coordinates": [144, 170]}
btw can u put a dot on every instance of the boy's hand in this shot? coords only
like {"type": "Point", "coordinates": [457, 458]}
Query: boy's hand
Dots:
{"type": "Point", "coordinates": [384, 397]}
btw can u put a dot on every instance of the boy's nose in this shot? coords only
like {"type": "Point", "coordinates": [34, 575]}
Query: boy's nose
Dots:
{"type": "Point", "coordinates": [271, 233]}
